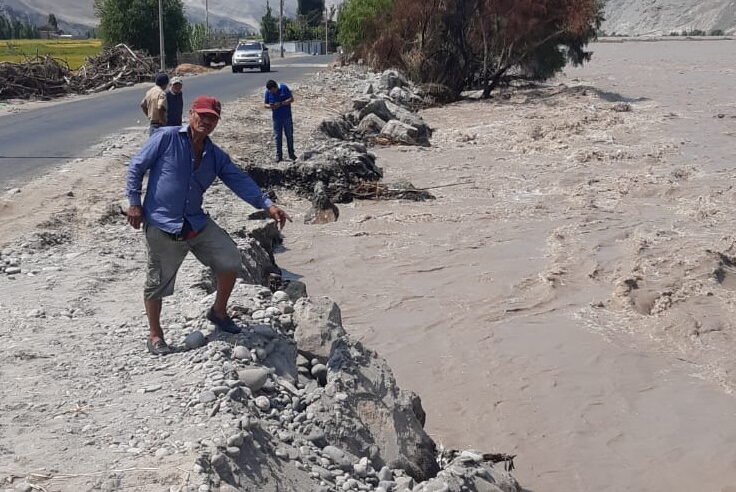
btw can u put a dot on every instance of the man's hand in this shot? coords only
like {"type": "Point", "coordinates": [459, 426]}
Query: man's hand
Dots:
{"type": "Point", "coordinates": [278, 215]}
{"type": "Point", "coordinates": [135, 216]}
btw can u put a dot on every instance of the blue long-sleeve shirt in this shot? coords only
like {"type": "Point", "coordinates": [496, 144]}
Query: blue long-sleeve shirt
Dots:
{"type": "Point", "coordinates": [175, 189]}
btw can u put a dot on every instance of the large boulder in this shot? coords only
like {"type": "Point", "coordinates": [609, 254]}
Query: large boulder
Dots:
{"type": "Point", "coordinates": [387, 111]}
{"type": "Point", "coordinates": [363, 411]}
{"type": "Point", "coordinates": [469, 471]}
{"type": "Point", "coordinates": [404, 97]}
{"type": "Point", "coordinates": [256, 263]}
{"type": "Point", "coordinates": [337, 127]}
{"type": "Point", "coordinates": [370, 125]}
{"type": "Point", "coordinates": [318, 325]}
{"type": "Point", "coordinates": [361, 102]}
{"type": "Point", "coordinates": [391, 79]}
{"type": "Point", "coordinates": [378, 107]}
{"type": "Point", "coordinates": [400, 132]}
{"type": "Point", "coordinates": [412, 119]}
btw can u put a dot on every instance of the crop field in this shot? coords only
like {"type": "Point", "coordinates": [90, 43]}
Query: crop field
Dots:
{"type": "Point", "coordinates": [73, 51]}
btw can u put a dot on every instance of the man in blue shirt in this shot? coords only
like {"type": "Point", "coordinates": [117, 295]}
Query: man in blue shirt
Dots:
{"type": "Point", "coordinates": [278, 99]}
{"type": "Point", "coordinates": [182, 163]}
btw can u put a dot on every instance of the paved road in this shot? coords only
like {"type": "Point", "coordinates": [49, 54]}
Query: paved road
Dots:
{"type": "Point", "coordinates": [33, 141]}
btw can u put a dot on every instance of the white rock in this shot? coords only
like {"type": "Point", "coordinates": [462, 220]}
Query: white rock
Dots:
{"type": "Point", "coordinates": [195, 340]}
{"type": "Point", "coordinates": [280, 296]}
{"type": "Point", "coordinates": [254, 378]}
{"type": "Point", "coordinates": [263, 403]}
{"type": "Point", "coordinates": [241, 353]}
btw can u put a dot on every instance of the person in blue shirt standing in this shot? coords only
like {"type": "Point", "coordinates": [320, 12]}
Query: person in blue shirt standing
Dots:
{"type": "Point", "coordinates": [278, 99]}
{"type": "Point", "coordinates": [174, 103]}
{"type": "Point", "coordinates": [182, 163]}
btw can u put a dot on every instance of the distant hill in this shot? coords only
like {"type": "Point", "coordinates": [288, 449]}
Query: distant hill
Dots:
{"type": "Point", "coordinates": [657, 17]}
{"type": "Point", "coordinates": [78, 15]}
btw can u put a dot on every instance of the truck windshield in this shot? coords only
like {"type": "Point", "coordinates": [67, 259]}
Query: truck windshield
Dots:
{"type": "Point", "coordinates": [249, 47]}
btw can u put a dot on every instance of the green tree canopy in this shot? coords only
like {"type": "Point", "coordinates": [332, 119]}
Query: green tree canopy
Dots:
{"type": "Point", "coordinates": [470, 44]}
{"type": "Point", "coordinates": [16, 29]}
{"type": "Point", "coordinates": [135, 23]}
{"type": "Point", "coordinates": [311, 11]}
{"type": "Point", "coordinates": [357, 21]}
{"type": "Point", "coordinates": [269, 26]}
{"type": "Point", "coordinates": [52, 22]}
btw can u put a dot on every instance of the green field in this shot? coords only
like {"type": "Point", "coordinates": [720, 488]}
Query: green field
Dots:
{"type": "Point", "coordinates": [74, 51]}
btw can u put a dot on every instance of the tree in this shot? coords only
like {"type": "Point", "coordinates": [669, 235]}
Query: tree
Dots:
{"type": "Point", "coordinates": [197, 34]}
{"type": "Point", "coordinates": [52, 22]}
{"type": "Point", "coordinates": [311, 11]}
{"type": "Point", "coordinates": [358, 20]}
{"type": "Point", "coordinates": [269, 26]}
{"type": "Point", "coordinates": [16, 29]}
{"type": "Point", "coordinates": [135, 23]}
{"type": "Point", "coordinates": [473, 44]}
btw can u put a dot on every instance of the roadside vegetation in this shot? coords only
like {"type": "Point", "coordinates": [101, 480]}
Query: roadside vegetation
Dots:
{"type": "Point", "coordinates": [72, 51]}
{"type": "Point", "coordinates": [136, 24]}
{"type": "Point", "coordinates": [470, 44]}
{"type": "Point", "coordinates": [308, 24]}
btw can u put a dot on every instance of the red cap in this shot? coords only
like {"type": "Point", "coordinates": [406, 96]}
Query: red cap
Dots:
{"type": "Point", "coordinates": [207, 104]}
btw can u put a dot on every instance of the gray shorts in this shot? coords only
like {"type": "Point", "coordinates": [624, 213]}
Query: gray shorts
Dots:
{"type": "Point", "coordinates": [213, 247]}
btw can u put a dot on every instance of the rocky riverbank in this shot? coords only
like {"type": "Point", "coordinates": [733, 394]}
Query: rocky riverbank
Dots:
{"type": "Point", "coordinates": [293, 402]}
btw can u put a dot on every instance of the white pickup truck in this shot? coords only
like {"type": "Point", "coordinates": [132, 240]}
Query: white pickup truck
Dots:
{"type": "Point", "coordinates": [251, 54]}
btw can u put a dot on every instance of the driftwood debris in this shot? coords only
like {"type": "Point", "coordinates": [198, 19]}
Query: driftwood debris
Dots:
{"type": "Point", "coordinates": [42, 77]}
{"type": "Point", "coordinates": [116, 66]}
{"type": "Point", "coordinates": [45, 77]}
{"type": "Point", "coordinates": [403, 190]}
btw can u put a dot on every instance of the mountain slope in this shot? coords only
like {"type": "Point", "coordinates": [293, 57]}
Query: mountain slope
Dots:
{"type": "Point", "coordinates": [224, 14]}
{"type": "Point", "coordinates": [641, 17]}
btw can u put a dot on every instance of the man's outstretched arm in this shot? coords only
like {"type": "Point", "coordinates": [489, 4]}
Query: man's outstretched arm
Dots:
{"type": "Point", "coordinates": [248, 190]}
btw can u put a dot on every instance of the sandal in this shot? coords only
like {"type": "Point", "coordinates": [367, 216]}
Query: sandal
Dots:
{"type": "Point", "coordinates": [158, 348]}
{"type": "Point", "coordinates": [227, 325]}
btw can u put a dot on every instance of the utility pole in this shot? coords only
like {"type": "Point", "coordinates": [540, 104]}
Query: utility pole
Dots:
{"type": "Point", "coordinates": [281, 28]}
{"type": "Point", "coordinates": [327, 19]}
{"type": "Point", "coordinates": [161, 34]}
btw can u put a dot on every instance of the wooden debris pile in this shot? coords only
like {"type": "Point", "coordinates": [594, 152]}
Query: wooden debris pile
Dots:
{"type": "Point", "coordinates": [396, 191]}
{"type": "Point", "coordinates": [42, 77]}
{"type": "Point", "coordinates": [45, 77]}
{"type": "Point", "coordinates": [116, 66]}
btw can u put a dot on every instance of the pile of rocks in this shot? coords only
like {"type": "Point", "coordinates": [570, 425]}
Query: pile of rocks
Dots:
{"type": "Point", "coordinates": [9, 264]}
{"type": "Point", "coordinates": [384, 113]}
{"type": "Point", "coordinates": [333, 167]}
{"type": "Point", "coordinates": [339, 162]}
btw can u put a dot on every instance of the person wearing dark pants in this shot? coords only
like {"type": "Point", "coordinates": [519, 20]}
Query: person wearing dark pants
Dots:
{"type": "Point", "coordinates": [278, 99]}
